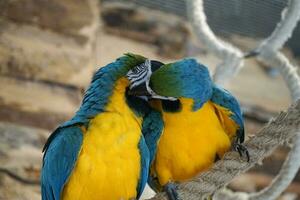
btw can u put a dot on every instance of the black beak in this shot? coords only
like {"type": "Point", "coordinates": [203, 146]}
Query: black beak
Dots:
{"type": "Point", "coordinates": [139, 90]}
{"type": "Point", "coordinates": [144, 92]}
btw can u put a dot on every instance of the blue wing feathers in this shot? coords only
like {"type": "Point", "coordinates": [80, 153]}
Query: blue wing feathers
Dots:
{"type": "Point", "coordinates": [223, 98]}
{"type": "Point", "coordinates": [59, 159]}
{"type": "Point", "coordinates": [64, 144]}
{"type": "Point", "coordinates": [97, 95]}
{"type": "Point", "coordinates": [102, 85]}
{"type": "Point", "coordinates": [145, 162]}
{"type": "Point", "coordinates": [152, 128]}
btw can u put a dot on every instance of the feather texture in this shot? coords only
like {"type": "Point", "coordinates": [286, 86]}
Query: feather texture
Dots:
{"type": "Point", "coordinates": [225, 99]}
{"type": "Point", "coordinates": [59, 161]}
{"type": "Point", "coordinates": [198, 128]}
{"type": "Point", "coordinates": [63, 146]}
{"type": "Point", "coordinates": [185, 78]}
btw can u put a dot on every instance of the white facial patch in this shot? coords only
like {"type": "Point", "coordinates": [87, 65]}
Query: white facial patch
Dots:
{"type": "Point", "coordinates": [141, 74]}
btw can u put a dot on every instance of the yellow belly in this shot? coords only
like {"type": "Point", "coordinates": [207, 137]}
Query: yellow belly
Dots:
{"type": "Point", "coordinates": [189, 143]}
{"type": "Point", "coordinates": [108, 166]}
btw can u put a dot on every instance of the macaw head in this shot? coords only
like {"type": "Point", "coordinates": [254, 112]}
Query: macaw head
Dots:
{"type": "Point", "coordinates": [139, 78]}
{"type": "Point", "coordinates": [185, 78]}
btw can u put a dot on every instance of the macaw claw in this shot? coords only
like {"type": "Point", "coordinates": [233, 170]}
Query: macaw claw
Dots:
{"type": "Point", "coordinates": [170, 189]}
{"type": "Point", "coordinates": [242, 150]}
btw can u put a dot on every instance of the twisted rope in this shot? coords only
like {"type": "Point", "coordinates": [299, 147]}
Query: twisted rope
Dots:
{"type": "Point", "coordinates": [277, 132]}
{"type": "Point", "coordinates": [232, 57]}
{"type": "Point", "coordinates": [269, 54]}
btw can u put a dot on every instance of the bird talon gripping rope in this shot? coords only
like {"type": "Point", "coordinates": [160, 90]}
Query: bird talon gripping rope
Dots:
{"type": "Point", "coordinates": [242, 150]}
{"type": "Point", "coordinates": [171, 190]}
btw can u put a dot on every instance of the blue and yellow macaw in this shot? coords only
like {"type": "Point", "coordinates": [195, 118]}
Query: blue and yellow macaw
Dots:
{"type": "Point", "coordinates": [201, 123]}
{"type": "Point", "coordinates": [101, 152]}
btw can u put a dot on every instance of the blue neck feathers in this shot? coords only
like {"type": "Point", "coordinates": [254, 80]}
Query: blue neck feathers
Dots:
{"type": "Point", "coordinates": [101, 88]}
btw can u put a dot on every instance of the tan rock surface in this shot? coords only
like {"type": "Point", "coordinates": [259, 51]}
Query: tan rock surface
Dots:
{"type": "Point", "coordinates": [20, 161]}
{"type": "Point", "coordinates": [51, 41]}
{"type": "Point", "coordinates": [36, 103]}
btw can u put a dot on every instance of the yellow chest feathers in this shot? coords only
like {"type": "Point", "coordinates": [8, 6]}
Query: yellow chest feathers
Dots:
{"type": "Point", "coordinates": [108, 166]}
{"type": "Point", "coordinates": [191, 141]}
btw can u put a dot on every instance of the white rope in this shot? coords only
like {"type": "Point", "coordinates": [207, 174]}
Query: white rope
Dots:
{"type": "Point", "coordinates": [232, 61]}
{"type": "Point", "coordinates": [267, 53]}
{"type": "Point", "coordinates": [284, 178]}
{"type": "Point", "coordinates": [291, 165]}
{"type": "Point", "coordinates": [274, 134]}
{"type": "Point", "coordinates": [284, 29]}
{"type": "Point", "coordinates": [232, 57]}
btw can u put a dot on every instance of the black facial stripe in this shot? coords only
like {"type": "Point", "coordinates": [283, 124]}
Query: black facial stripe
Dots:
{"type": "Point", "coordinates": [137, 75]}
{"type": "Point", "coordinates": [139, 78]}
{"type": "Point", "coordinates": [139, 68]}
{"type": "Point", "coordinates": [134, 76]}
{"type": "Point", "coordinates": [139, 72]}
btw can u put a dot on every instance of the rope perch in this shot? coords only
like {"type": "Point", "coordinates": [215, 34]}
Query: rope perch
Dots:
{"type": "Point", "coordinates": [232, 57]}
{"type": "Point", "coordinates": [268, 53]}
{"type": "Point", "coordinates": [277, 132]}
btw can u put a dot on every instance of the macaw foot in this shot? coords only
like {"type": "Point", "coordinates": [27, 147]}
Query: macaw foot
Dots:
{"type": "Point", "coordinates": [170, 189]}
{"type": "Point", "coordinates": [242, 150]}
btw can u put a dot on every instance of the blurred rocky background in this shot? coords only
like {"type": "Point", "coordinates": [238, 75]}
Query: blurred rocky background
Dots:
{"type": "Point", "coordinates": [47, 56]}
{"type": "Point", "coordinates": [49, 50]}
